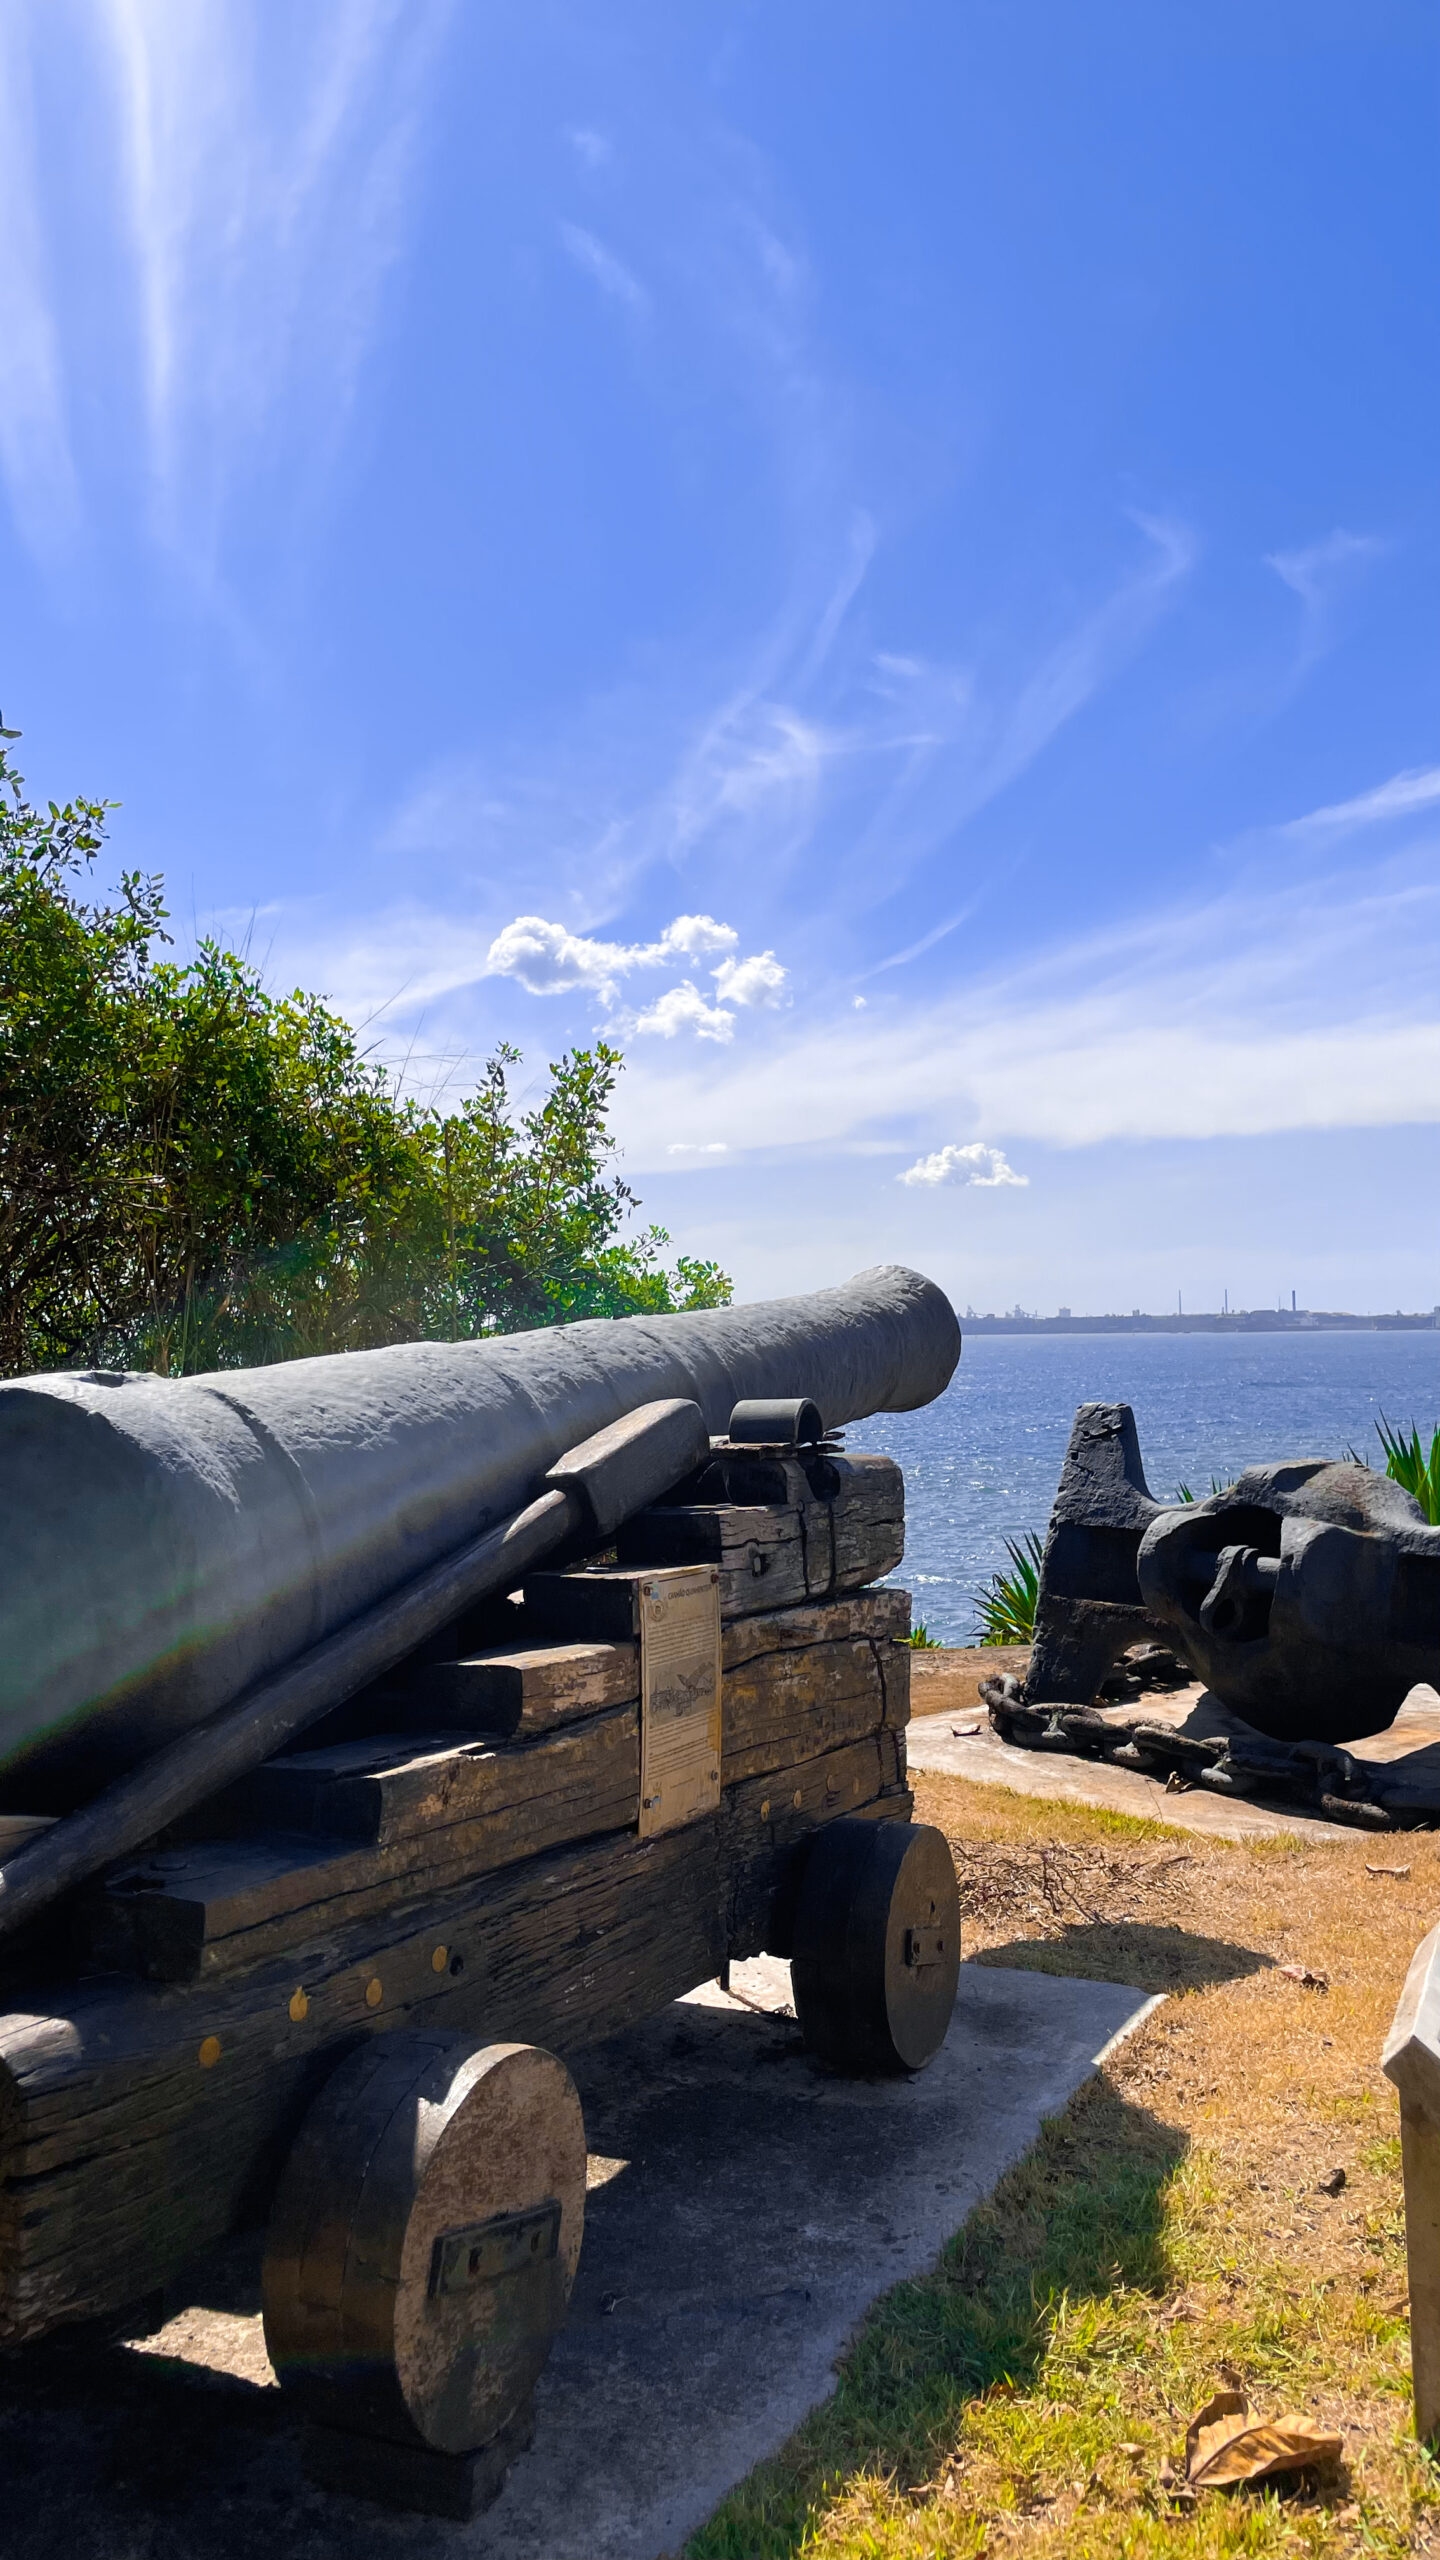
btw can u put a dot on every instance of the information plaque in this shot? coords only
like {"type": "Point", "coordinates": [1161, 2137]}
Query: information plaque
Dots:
{"type": "Point", "coordinates": [679, 1629]}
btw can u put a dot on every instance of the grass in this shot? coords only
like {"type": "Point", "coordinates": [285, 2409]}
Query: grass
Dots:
{"type": "Point", "coordinates": [1167, 2236]}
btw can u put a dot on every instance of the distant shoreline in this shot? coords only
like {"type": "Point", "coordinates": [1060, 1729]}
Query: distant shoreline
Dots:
{"type": "Point", "coordinates": [1259, 1320]}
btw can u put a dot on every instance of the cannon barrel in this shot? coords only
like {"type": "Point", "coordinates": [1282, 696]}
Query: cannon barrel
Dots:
{"type": "Point", "coordinates": [166, 1543]}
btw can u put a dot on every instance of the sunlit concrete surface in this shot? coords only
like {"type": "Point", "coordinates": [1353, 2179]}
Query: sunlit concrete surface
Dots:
{"type": "Point", "coordinates": [955, 1740]}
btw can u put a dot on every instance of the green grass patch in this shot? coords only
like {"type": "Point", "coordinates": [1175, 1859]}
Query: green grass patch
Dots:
{"type": "Point", "coordinates": [1069, 2258]}
{"type": "Point", "coordinates": [1037, 2382]}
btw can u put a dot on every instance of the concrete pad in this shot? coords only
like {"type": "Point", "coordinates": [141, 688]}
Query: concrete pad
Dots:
{"type": "Point", "coordinates": [765, 2207]}
{"type": "Point", "coordinates": [980, 1756]}
{"type": "Point", "coordinates": [950, 1733]}
{"type": "Point", "coordinates": [745, 2210]}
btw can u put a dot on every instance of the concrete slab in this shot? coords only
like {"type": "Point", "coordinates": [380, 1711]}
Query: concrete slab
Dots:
{"type": "Point", "coordinates": [986, 1761]}
{"type": "Point", "coordinates": [766, 2205]}
{"type": "Point", "coordinates": [746, 2208]}
{"type": "Point", "coordinates": [950, 1733]}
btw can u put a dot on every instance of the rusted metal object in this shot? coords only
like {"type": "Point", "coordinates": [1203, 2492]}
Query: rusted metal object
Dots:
{"type": "Point", "coordinates": [1306, 1595]}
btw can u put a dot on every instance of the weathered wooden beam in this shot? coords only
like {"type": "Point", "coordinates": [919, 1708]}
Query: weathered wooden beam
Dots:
{"type": "Point", "coordinates": [140, 2121]}
{"type": "Point", "coordinates": [1411, 2058]}
{"type": "Point", "coordinates": [222, 1904]}
{"type": "Point", "coordinates": [781, 1708]}
{"type": "Point", "coordinates": [882, 1616]}
{"type": "Point", "coordinates": [801, 1682]}
{"type": "Point", "coordinates": [771, 1556]}
{"type": "Point", "coordinates": [765, 1822]}
{"type": "Point", "coordinates": [518, 1690]}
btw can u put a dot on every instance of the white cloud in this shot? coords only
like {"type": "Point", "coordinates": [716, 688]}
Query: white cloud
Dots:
{"type": "Point", "coordinates": [697, 935]}
{"type": "Point", "coordinates": [757, 981]}
{"type": "Point", "coordinates": [1403, 796]}
{"type": "Point", "coordinates": [1280, 1003]}
{"type": "Point", "coordinates": [266, 164]}
{"type": "Point", "coordinates": [1320, 574]}
{"type": "Point", "coordinates": [593, 150]}
{"type": "Point", "coordinates": [977, 1167]}
{"type": "Point", "coordinates": [683, 1008]}
{"type": "Point", "coordinates": [697, 1147]}
{"type": "Point", "coordinates": [34, 425]}
{"type": "Point", "coordinates": [1316, 573]}
{"type": "Point", "coordinates": [549, 959]}
{"type": "Point", "coordinates": [601, 263]}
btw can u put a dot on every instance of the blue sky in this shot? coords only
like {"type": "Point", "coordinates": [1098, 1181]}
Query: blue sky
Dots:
{"type": "Point", "coordinates": [883, 556]}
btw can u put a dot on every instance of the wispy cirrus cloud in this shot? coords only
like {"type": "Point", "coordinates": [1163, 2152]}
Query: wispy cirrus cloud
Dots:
{"type": "Point", "coordinates": [828, 758]}
{"type": "Point", "coordinates": [811, 744]}
{"type": "Point", "coordinates": [1321, 574]}
{"type": "Point", "coordinates": [593, 149]}
{"type": "Point", "coordinates": [1278, 1002]}
{"type": "Point", "coordinates": [1405, 795]}
{"type": "Point", "coordinates": [609, 272]}
{"type": "Point", "coordinates": [35, 443]}
{"type": "Point", "coordinates": [246, 190]}
{"type": "Point", "coordinates": [267, 166]}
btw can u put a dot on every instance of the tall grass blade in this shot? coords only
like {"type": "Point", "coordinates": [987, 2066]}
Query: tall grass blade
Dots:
{"type": "Point", "coordinates": [1410, 1465]}
{"type": "Point", "coordinates": [1006, 1607]}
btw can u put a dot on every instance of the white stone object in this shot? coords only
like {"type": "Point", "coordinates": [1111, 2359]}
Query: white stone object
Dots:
{"type": "Point", "coordinates": [1412, 2060]}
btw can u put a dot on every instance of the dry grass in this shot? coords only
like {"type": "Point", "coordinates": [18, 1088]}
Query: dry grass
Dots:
{"type": "Point", "coordinates": [1170, 2233]}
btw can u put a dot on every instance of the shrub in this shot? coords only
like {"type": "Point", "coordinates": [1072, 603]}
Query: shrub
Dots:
{"type": "Point", "coordinates": [1006, 1607]}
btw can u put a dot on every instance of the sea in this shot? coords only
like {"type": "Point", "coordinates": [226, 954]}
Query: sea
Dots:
{"type": "Point", "coordinates": [982, 1463]}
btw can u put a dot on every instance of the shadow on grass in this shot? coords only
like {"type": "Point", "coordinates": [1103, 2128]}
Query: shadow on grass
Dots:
{"type": "Point", "coordinates": [1080, 2218]}
{"type": "Point", "coordinates": [1140, 1952]}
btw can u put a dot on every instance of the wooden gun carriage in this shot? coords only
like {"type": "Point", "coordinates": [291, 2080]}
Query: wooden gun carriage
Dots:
{"type": "Point", "coordinates": [336, 1996]}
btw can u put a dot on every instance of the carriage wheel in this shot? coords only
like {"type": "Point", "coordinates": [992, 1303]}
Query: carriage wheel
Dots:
{"type": "Point", "coordinates": [876, 1951]}
{"type": "Point", "coordinates": [420, 2256]}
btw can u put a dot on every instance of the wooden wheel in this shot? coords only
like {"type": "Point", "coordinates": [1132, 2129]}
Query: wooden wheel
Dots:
{"type": "Point", "coordinates": [424, 2239]}
{"type": "Point", "coordinates": [876, 1951]}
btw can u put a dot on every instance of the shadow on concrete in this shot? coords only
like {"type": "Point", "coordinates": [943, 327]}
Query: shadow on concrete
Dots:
{"type": "Point", "coordinates": [753, 2207]}
{"type": "Point", "coordinates": [1080, 2219]}
{"type": "Point", "coordinates": [1141, 1952]}
{"type": "Point", "coordinates": [109, 2454]}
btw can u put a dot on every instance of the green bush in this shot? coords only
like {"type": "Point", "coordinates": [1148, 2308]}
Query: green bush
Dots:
{"type": "Point", "coordinates": [195, 1174]}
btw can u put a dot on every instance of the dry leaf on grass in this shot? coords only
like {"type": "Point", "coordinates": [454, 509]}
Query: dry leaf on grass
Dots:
{"type": "Point", "coordinates": [1385, 1871]}
{"type": "Point", "coordinates": [1302, 1973]}
{"type": "Point", "coordinates": [1225, 2446]}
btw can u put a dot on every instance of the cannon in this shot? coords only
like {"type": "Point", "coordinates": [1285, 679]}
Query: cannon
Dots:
{"type": "Point", "coordinates": [1306, 1595]}
{"type": "Point", "coordinates": [377, 1731]}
